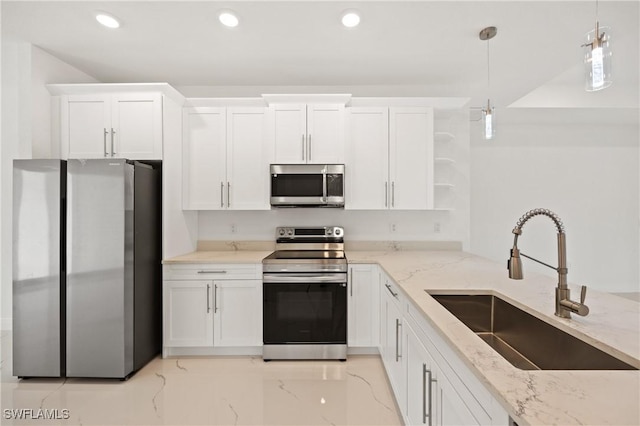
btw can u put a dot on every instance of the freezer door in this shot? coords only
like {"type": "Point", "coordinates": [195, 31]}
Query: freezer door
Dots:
{"type": "Point", "coordinates": [37, 204]}
{"type": "Point", "coordinates": [99, 268]}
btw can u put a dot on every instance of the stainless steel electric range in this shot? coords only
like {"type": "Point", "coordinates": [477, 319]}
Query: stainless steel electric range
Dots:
{"type": "Point", "coordinates": [305, 295]}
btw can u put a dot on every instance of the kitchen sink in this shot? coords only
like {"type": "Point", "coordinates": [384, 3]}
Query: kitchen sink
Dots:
{"type": "Point", "coordinates": [525, 341]}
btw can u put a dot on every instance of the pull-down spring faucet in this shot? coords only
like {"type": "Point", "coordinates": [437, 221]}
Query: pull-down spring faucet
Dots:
{"type": "Point", "coordinates": [564, 304]}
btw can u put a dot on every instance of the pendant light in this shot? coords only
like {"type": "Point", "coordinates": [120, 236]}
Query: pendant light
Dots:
{"type": "Point", "coordinates": [488, 112]}
{"type": "Point", "coordinates": [597, 58]}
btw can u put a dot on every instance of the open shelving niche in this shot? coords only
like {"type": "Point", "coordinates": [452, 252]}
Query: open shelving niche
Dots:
{"type": "Point", "coordinates": [444, 160]}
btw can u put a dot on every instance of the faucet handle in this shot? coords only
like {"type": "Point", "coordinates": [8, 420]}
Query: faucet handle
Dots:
{"type": "Point", "coordinates": [583, 293]}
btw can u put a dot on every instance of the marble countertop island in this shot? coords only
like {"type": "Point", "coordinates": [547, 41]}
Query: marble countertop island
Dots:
{"type": "Point", "coordinates": [530, 397]}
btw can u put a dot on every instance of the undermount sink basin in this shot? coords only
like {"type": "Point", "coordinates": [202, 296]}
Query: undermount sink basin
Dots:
{"type": "Point", "coordinates": [524, 340]}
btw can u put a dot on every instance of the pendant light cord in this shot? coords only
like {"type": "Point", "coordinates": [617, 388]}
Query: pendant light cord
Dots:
{"type": "Point", "coordinates": [488, 71]}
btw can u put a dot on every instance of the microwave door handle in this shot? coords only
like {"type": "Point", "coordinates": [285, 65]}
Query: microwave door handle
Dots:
{"type": "Point", "coordinates": [324, 187]}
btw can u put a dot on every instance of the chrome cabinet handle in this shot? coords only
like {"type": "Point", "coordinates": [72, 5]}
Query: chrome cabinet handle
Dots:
{"type": "Point", "coordinates": [386, 194]}
{"type": "Point", "coordinates": [228, 195]}
{"type": "Point", "coordinates": [426, 399]}
{"type": "Point", "coordinates": [303, 147]}
{"type": "Point", "coordinates": [222, 194]}
{"type": "Point", "coordinates": [215, 299]}
{"type": "Point", "coordinates": [106, 154]}
{"type": "Point", "coordinates": [393, 194]}
{"type": "Point", "coordinates": [309, 146]}
{"type": "Point", "coordinates": [113, 132]}
{"type": "Point", "coordinates": [212, 271]}
{"type": "Point", "coordinates": [398, 326]}
{"type": "Point", "coordinates": [208, 297]}
{"type": "Point", "coordinates": [391, 291]}
{"type": "Point", "coordinates": [351, 281]}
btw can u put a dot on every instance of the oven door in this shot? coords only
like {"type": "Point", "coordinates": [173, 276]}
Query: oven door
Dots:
{"type": "Point", "coordinates": [305, 309]}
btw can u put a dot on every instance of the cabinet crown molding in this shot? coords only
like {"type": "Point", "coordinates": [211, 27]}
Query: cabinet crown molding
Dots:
{"type": "Point", "coordinates": [320, 98]}
{"type": "Point", "coordinates": [109, 88]}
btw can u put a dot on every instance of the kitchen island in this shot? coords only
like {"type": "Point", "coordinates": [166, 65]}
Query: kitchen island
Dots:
{"type": "Point", "coordinates": [529, 397]}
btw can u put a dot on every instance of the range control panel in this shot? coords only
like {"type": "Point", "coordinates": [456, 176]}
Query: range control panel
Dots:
{"type": "Point", "coordinates": [303, 233]}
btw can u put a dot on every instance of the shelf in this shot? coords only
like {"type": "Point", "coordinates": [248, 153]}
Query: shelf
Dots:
{"type": "Point", "coordinates": [444, 136]}
{"type": "Point", "coordinates": [444, 160]}
{"type": "Point", "coordinates": [444, 185]}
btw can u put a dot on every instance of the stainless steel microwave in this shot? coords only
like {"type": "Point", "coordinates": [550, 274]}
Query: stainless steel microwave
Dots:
{"type": "Point", "coordinates": [307, 185]}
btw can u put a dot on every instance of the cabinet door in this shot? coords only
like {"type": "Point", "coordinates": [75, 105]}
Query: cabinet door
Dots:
{"type": "Point", "coordinates": [411, 158]}
{"type": "Point", "coordinates": [451, 409]}
{"type": "Point", "coordinates": [367, 159]}
{"type": "Point", "coordinates": [289, 133]}
{"type": "Point", "coordinates": [392, 346]}
{"type": "Point", "coordinates": [363, 306]}
{"type": "Point", "coordinates": [421, 381]}
{"type": "Point", "coordinates": [248, 158]}
{"type": "Point", "coordinates": [136, 123]}
{"type": "Point", "coordinates": [188, 313]}
{"type": "Point", "coordinates": [325, 133]}
{"type": "Point", "coordinates": [86, 126]}
{"type": "Point", "coordinates": [204, 158]}
{"type": "Point", "coordinates": [237, 310]}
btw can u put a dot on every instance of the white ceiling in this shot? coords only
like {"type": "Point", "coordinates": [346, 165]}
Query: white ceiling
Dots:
{"type": "Point", "coordinates": [535, 58]}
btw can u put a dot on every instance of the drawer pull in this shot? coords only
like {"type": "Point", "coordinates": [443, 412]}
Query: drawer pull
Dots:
{"type": "Point", "coordinates": [212, 271]}
{"type": "Point", "coordinates": [391, 291]}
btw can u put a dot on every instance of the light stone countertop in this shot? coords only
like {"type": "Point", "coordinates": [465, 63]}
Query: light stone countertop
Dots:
{"type": "Point", "coordinates": [220, 256]}
{"type": "Point", "coordinates": [530, 397]}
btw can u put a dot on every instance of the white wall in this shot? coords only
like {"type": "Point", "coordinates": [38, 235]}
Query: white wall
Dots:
{"type": "Point", "coordinates": [26, 132]}
{"type": "Point", "coordinates": [47, 69]}
{"type": "Point", "coordinates": [585, 172]}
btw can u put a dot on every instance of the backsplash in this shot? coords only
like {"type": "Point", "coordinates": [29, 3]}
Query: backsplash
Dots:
{"type": "Point", "coordinates": [385, 226]}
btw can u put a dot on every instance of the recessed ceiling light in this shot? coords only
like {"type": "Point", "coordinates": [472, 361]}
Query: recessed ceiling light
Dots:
{"type": "Point", "coordinates": [107, 20]}
{"type": "Point", "coordinates": [228, 18]}
{"type": "Point", "coordinates": [350, 19]}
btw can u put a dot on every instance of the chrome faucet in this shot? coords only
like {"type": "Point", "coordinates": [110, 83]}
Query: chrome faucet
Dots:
{"type": "Point", "coordinates": [564, 304]}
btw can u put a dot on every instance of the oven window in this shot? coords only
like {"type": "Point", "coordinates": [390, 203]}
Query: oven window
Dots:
{"type": "Point", "coordinates": [304, 313]}
{"type": "Point", "coordinates": [296, 185]}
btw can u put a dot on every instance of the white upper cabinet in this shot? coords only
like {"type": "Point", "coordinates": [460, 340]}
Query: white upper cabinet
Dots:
{"type": "Point", "coordinates": [225, 159]}
{"type": "Point", "coordinates": [122, 125]}
{"type": "Point", "coordinates": [204, 158]}
{"type": "Point", "coordinates": [367, 158]}
{"type": "Point", "coordinates": [411, 158]}
{"type": "Point", "coordinates": [389, 161]}
{"type": "Point", "coordinates": [308, 133]}
{"type": "Point", "coordinates": [248, 158]}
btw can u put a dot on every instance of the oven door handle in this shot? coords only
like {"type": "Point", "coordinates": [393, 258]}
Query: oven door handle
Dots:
{"type": "Point", "coordinates": [309, 278]}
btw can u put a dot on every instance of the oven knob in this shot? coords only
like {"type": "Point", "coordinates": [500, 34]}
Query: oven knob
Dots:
{"type": "Point", "coordinates": [290, 232]}
{"type": "Point", "coordinates": [338, 231]}
{"type": "Point", "coordinates": [281, 232]}
{"type": "Point", "coordinates": [329, 231]}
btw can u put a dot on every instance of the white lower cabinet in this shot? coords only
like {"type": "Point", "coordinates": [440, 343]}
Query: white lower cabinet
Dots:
{"type": "Point", "coordinates": [188, 317]}
{"type": "Point", "coordinates": [391, 336]}
{"type": "Point", "coordinates": [362, 309]}
{"type": "Point", "coordinates": [431, 384]}
{"type": "Point", "coordinates": [204, 311]}
{"type": "Point", "coordinates": [431, 399]}
{"type": "Point", "coordinates": [237, 318]}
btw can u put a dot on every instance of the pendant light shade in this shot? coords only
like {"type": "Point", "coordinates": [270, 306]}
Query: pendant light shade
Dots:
{"type": "Point", "coordinates": [488, 121]}
{"type": "Point", "coordinates": [597, 59]}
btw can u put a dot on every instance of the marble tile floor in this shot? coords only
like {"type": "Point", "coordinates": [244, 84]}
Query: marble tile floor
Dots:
{"type": "Point", "coordinates": [211, 391]}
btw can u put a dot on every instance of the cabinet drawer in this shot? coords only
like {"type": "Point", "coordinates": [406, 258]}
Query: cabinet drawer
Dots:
{"type": "Point", "coordinates": [211, 271]}
{"type": "Point", "coordinates": [390, 288]}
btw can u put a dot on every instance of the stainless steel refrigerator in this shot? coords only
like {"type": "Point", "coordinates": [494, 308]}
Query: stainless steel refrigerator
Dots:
{"type": "Point", "coordinates": [86, 267]}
